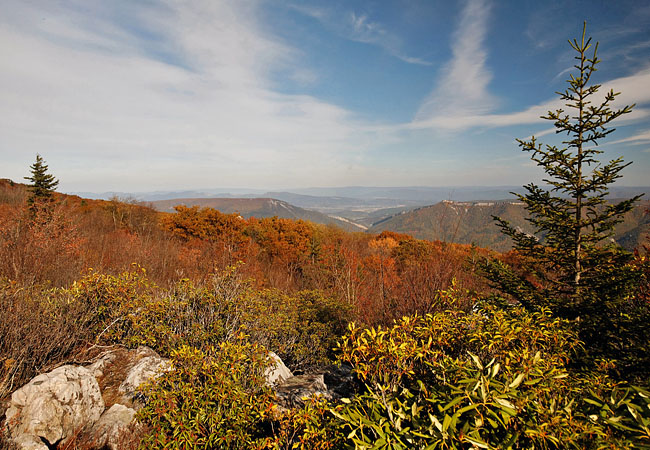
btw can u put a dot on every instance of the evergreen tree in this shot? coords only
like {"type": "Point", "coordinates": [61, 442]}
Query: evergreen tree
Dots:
{"type": "Point", "coordinates": [43, 183]}
{"type": "Point", "coordinates": [572, 264]}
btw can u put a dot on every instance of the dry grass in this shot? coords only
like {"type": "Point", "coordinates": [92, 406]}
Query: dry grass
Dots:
{"type": "Point", "coordinates": [39, 329]}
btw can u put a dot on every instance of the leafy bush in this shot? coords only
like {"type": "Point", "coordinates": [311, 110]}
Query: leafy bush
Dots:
{"type": "Point", "coordinates": [495, 379]}
{"type": "Point", "coordinates": [313, 426]}
{"type": "Point", "coordinates": [112, 299]}
{"type": "Point", "coordinates": [42, 326]}
{"type": "Point", "coordinates": [302, 328]}
{"type": "Point", "coordinates": [130, 310]}
{"type": "Point", "coordinates": [39, 327]}
{"type": "Point", "coordinates": [213, 399]}
{"type": "Point", "coordinates": [135, 312]}
{"type": "Point", "coordinates": [218, 399]}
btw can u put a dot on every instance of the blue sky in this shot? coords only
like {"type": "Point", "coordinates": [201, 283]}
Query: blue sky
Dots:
{"type": "Point", "coordinates": [165, 94]}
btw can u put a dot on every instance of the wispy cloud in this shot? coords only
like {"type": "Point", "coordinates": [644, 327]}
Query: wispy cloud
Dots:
{"type": "Point", "coordinates": [359, 27]}
{"type": "Point", "coordinates": [314, 12]}
{"type": "Point", "coordinates": [463, 88]}
{"type": "Point", "coordinates": [642, 138]}
{"type": "Point", "coordinates": [541, 134]}
{"type": "Point", "coordinates": [85, 90]}
{"type": "Point", "coordinates": [540, 22]}
{"type": "Point", "coordinates": [362, 29]}
{"type": "Point", "coordinates": [632, 89]}
{"type": "Point", "coordinates": [562, 73]}
{"type": "Point", "coordinates": [164, 94]}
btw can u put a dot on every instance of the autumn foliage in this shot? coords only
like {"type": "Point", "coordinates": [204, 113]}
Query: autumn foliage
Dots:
{"type": "Point", "coordinates": [381, 277]}
{"type": "Point", "coordinates": [213, 291]}
{"type": "Point", "coordinates": [71, 248]}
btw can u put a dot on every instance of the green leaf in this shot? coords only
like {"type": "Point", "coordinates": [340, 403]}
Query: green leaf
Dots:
{"type": "Point", "coordinates": [517, 381]}
{"type": "Point", "coordinates": [476, 442]}
{"type": "Point", "coordinates": [477, 361]}
{"type": "Point", "coordinates": [445, 423]}
{"type": "Point", "coordinates": [506, 403]}
{"type": "Point", "coordinates": [452, 403]}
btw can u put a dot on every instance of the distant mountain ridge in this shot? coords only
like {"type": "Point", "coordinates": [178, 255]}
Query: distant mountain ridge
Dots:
{"type": "Point", "coordinates": [354, 198]}
{"type": "Point", "coordinates": [260, 208]}
{"type": "Point", "coordinates": [462, 222]}
{"type": "Point", "coordinates": [472, 222]}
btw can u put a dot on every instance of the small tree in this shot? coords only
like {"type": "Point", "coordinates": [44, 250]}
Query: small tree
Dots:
{"type": "Point", "coordinates": [572, 264]}
{"type": "Point", "coordinates": [43, 183]}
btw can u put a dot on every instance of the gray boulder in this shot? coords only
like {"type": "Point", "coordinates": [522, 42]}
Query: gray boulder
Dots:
{"type": "Point", "coordinates": [145, 370]}
{"type": "Point", "coordinates": [120, 373]}
{"type": "Point", "coordinates": [72, 401]}
{"type": "Point", "coordinates": [111, 427]}
{"type": "Point", "coordinates": [295, 390]}
{"type": "Point", "coordinates": [53, 407]}
{"type": "Point", "coordinates": [277, 372]}
{"type": "Point", "coordinates": [332, 383]}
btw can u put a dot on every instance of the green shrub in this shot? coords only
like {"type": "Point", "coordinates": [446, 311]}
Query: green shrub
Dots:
{"type": "Point", "coordinates": [495, 379]}
{"type": "Point", "coordinates": [113, 301]}
{"type": "Point", "coordinates": [130, 310]}
{"type": "Point", "coordinates": [302, 328]}
{"type": "Point", "coordinates": [312, 426]}
{"type": "Point", "coordinates": [213, 399]}
{"type": "Point", "coordinates": [626, 409]}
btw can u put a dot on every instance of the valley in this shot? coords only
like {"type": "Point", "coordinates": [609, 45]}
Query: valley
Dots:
{"type": "Point", "coordinates": [461, 222]}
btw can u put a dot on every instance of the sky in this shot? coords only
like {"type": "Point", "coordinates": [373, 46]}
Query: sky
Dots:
{"type": "Point", "coordinates": [145, 95]}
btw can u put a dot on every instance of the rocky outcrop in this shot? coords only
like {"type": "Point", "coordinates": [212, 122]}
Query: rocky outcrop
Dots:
{"type": "Point", "coordinates": [95, 404]}
{"type": "Point", "coordinates": [120, 372]}
{"type": "Point", "coordinates": [332, 383]}
{"type": "Point", "coordinates": [340, 381]}
{"type": "Point", "coordinates": [293, 391]}
{"type": "Point", "coordinates": [146, 369]}
{"type": "Point", "coordinates": [112, 426]}
{"type": "Point", "coordinates": [53, 407]}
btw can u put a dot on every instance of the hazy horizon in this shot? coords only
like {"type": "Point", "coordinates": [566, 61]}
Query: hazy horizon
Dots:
{"type": "Point", "coordinates": [413, 195]}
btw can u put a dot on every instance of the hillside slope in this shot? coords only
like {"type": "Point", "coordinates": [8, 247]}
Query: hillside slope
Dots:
{"type": "Point", "coordinates": [258, 207]}
{"type": "Point", "coordinates": [471, 222]}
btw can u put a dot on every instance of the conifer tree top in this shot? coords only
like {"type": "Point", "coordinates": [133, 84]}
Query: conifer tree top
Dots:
{"type": "Point", "coordinates": [42, 183]}
{"type": "Point", "coordinates": [573, 220]}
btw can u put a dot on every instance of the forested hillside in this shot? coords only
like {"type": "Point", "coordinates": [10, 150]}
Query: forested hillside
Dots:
{"type": "Point", "coordinates": [258, 207]}
{"type": "Point", "coordinates": [197, 242]}
{"type": "Point", "coordinates": [472, 222]}
{"type": "Point", "coordinates": [131, 275]}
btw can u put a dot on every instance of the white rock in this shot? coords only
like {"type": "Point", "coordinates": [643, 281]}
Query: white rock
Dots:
{"type": "Point", "coordinates": [113, 424]}
{"type": "Point", "coordinates": [144, 371]}
{"type": "Point", "coordinates": [277, 372]}
{"type": "Point", "coordinates": [97, 368]}
{"type": "Point", "coordinates": [29, 442]}
{"type": "Point", "coordinates": [53, 406]}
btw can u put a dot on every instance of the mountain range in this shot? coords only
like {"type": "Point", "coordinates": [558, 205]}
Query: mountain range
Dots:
{"type": "Point", "coordinates": [473, 223]}
{"type": "Point", "coordinates": [448, 221]}
{"type": "Point", "coordinates": [354, 196]}
{"type": "Point", "coordinates": [451, 214]}
{"type": "Point", "coordinates": [260, 208]}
